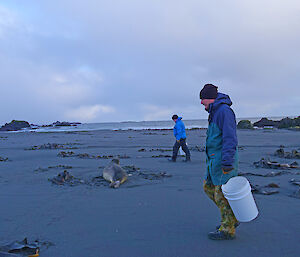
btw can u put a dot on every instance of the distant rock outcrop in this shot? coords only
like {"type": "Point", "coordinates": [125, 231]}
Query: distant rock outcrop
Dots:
{"type": "Point", "coordinates": [283, 123]}
{"type": "Point", "coordinates": [266, 122]}
{"type": "Point", "coordinates": [245, 124]}
{"type": "Point", "coordinates": [289, 123]}
{"type": "Point", "coordinates": [64, 123]}
{"type": "Point", "coordinates": [15, 125]}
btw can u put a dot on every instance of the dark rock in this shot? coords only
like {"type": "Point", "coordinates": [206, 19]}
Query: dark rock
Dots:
{"type": "Point", "coordinates": [15, 125]}
{"type": "Point", "coordinates": [21, 248]}
{"type": "Point", "coordinates": [149, 133]}
{"type": "Point", "coordinates": [265, 122]}
{"type": "Point", "coordinates": [66, 154]}
{"type": "Point", "coordinates": [289, 123]}
{"type": "Point", "coordinates": [154, 176]}
{"type": "Point", "coordinates": [263, 163]}
{"type": "Point", "coordinates": [89, 156]}
{"type": "Point", "coordinates": [197, 148]}
{"type": "Point", "coordinates": [40, 170]}
{"type": "Point", "coordinates": [3, 159]}
{"type": "Point", "coordinates": [130, 168]}
{"type": "Point", "coordinates": [256, 189]}
{"type": "Point", "coordinates": [273, 185]}
{"type": "Point", "coordinates": [288, 155]}
{"type": "Point", "coordinates": [270, 174]}
{"type": "Point", "coordinates": [161, 150]}
{"type": "Point", "coordinates": [244, 124]}
{"type": "Point", "coordinates": [51, 146]}
{"type": "Point", "coordinates": [66, 179]}
{"type": "Point", "coordinates": [61, 124]}
{"type": "Point", "coordinates": [279, 152]}
{"type": "Point", "coordinates": [64, 167]}
{"type": "Point", "coordinates": [283, 123]}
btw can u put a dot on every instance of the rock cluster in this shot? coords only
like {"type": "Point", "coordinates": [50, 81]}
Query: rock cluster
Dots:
{"type": "Point", "coordinates": [49, 146]}
{"type": "Point", "coordinates": [62, 124]}
{"type": "Point", "coordinates": [15, 125]}
{"type": "Point", "coordinates": [62, 177]}
{"type": "Point", "coordinates": [89, 156]}
{"type": "Point", "coordinates": [24, 248]}
{"type": "Point", "coordinates": [264, 163]}
{"type": "Point", "coordinates": [294, 154]}
{"type": "Point", "coordinates": [283, 123]}
{"type": "Point", "coordinates": [265, 190]}
{"type": "Point", "coordinates": [265, 122]}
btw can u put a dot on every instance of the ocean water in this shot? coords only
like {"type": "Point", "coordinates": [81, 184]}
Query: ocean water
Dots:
{"type": "Point", "coordinates": [132, 125]}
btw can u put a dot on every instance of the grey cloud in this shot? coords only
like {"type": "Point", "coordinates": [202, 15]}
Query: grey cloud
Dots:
{"type": "Point", "coordinates": [156, 53]}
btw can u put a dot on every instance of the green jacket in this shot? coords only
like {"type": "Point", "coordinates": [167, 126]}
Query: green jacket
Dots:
{"type": "Point", "coordinates": [221, 141]}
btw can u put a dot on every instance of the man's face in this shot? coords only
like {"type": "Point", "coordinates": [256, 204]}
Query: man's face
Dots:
{"type": "Point", "coordinates": [174, 120]}
{"type": "Point", "coordinates": [207, 102]}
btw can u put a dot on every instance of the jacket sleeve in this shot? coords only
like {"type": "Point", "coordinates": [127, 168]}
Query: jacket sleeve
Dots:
{"type": "Point", "coordinates": [227, 124]}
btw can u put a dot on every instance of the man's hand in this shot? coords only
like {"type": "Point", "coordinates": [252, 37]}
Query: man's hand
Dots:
{"type": "Point", "coordinates": [227, 169]}
{"type": "Point", "coordinates": [178, 141]}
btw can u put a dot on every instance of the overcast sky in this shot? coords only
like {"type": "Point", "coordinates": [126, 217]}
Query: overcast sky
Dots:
{"type": "Point", "coordinates": [102, 61]}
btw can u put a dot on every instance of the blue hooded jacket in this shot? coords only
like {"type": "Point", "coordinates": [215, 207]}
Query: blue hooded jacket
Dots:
{"type": "Point", "coordinates": [221, 141]}
{"type": "Point", "coordinates": [179, 129]}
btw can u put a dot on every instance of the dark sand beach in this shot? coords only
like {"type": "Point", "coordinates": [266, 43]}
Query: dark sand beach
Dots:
{"type": "Point", "coordinates": [160, 211]}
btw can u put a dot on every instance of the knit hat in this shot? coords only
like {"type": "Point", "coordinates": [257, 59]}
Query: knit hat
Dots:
{"type": "Point", "coordinates": [174, 117]}
{"type": "Point", "coordinates": [209, 91]}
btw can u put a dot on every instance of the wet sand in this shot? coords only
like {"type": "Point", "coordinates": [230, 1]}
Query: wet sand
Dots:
{"type": "Point", "coordinates": [160, 211]}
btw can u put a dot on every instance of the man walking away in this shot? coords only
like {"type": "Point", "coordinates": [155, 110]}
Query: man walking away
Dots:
{"type": "Point", "coordinates": [221, 156]}
{"type": "Point", "coordinates": [179, 133]}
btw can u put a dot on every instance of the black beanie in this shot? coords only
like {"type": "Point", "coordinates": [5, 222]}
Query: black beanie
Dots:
{"type": "Point", "coordinates": [209, 91]}
{"type": "Point", "coordinates": [174, 117]}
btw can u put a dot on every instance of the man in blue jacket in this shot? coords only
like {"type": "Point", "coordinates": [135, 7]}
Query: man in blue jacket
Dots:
{"type": "Point", "coordinates": [221, 156]}
{"type": "Point", "coordinates": [179, 133]}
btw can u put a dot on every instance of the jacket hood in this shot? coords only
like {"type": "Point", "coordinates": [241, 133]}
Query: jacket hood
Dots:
{"type": "Point", "coordinates": [221, 99]}
{"type": "Point", "coordinates": [179, 118]}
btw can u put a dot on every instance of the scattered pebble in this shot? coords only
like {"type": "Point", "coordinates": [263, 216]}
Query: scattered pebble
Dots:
{"type": "Point", "coordinates": [89, 156]}
{"type": "Point", "coordinates": [53, 146]}
{"type": "Point", "coordinates": [3, 159]}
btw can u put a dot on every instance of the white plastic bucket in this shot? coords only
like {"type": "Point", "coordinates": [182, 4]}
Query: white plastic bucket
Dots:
{"type": "Point", "coordinates": [181, 152]}
{"type": "Point", "coordinates": [238, 193]}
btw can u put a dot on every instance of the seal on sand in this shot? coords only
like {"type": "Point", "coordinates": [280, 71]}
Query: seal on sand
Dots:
{"type": "Point", "coordinates": [114, 174]}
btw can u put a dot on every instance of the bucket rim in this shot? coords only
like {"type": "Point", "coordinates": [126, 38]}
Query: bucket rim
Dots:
{"type": "Point", "coordinates": [238, 197]}
{"type": "Point", "coordinates": [245, 188]}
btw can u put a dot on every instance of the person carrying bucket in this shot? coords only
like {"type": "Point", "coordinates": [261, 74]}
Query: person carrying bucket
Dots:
{"type": "Point", "coordinates": [221, 156]}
